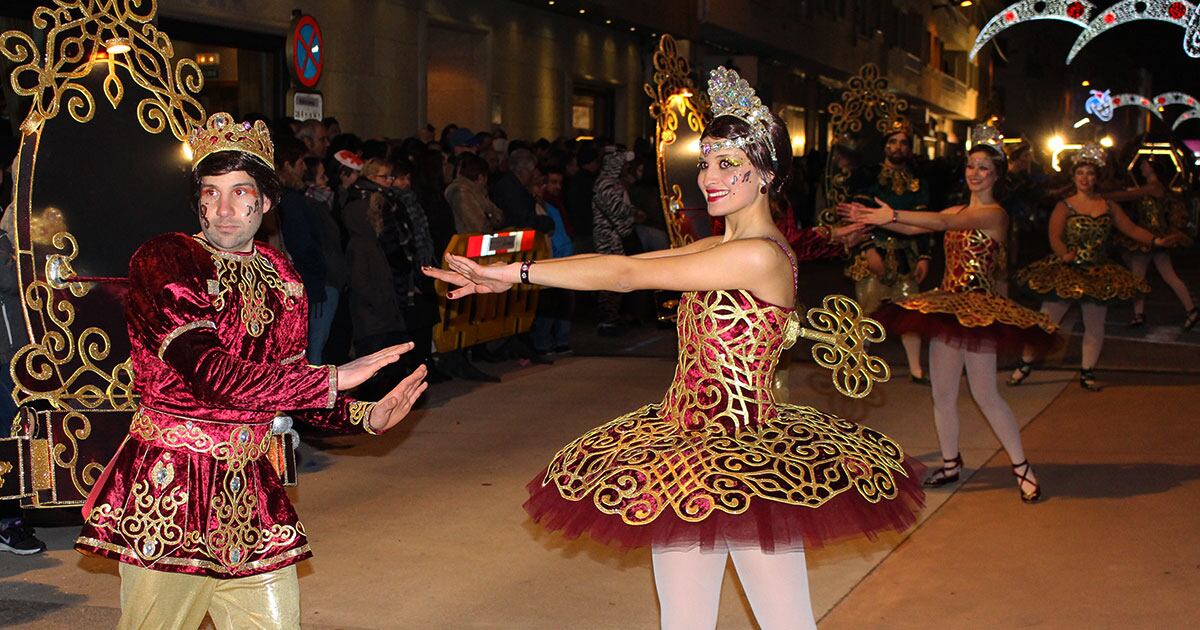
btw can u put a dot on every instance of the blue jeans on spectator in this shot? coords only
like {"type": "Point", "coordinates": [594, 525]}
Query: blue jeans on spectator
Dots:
{"type": "Point", "coordinates": [320, 319]}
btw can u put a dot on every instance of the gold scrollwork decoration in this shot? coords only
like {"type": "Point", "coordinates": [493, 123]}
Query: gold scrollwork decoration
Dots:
{"type": "Point", "coordinates": [843, 336]}
{"type": "Point", "coordinates": [64, 365]}
{"type": "Point", "coordinates": [119, 33]}
{"type": "Point", "coordinates": [674, 100]}
{"type": "Point", "coordinates": [866, 98]}
{"type": "Point", "coordinates": [83, 479]}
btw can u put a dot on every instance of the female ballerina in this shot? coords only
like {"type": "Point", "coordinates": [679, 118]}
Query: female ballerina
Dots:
{"type": "Point", "coordinates": [1158, 212]}
{"type": "Point", "coordinates": [718, 469]}
{"type": "Point", "coordinates": [1079, 270]}
{"type": "Point", "coordinates": [966, 320]}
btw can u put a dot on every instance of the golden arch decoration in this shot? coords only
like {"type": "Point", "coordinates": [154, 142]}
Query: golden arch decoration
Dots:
{"type": "Point", "coordinates": [680, 110]}
{"type": "Point", "coordinates": [866, 99]}
{"type": "Point", "coordinates": [71, 369]}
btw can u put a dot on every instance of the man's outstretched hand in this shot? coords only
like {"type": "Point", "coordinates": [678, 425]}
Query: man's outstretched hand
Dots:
{"type": "Point", "coordinates": [358, 371]}
{"type": "Point", "coordinates": [392, 408]}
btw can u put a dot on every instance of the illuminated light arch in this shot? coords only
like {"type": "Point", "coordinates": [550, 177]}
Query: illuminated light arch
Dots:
{"type": "Point", "coordinates": [1077, 12]}
{"type": "Point", "coordinates": [1166, 99]}
{"type": "Point", "coordinates": [1190, 114]}
{"type": "Point", "coordinates": [1178, 12]}
{"type": "Point", "coordinates": [1136, 100]}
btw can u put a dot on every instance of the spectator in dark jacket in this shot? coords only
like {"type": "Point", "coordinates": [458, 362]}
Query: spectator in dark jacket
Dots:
{"type": "Point", "coordinates": [580, 187]}
{"type": "Point", "coordinates": [320, 213]}
{"type": "Point", "coordinates": [301, 235]}
{"type": "Point", "coordinates": [511, 194]}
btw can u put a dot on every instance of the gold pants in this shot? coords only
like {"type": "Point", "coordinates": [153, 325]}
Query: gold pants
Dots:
{"type": "Point", "coordinates": [154, 600]}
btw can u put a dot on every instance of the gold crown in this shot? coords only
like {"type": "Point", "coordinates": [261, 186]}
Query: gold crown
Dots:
{"type": "Point", "coordinates": [223, 133]}
{"type": "Point", "coordinates": [898, 124]}
{"type": "Point", "coordinates": [1091, 153]}
{"type": "Point", "coordinates": [988, 136]}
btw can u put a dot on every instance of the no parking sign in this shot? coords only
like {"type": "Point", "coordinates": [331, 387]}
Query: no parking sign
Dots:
{"type": "Point", "coordinates": [305, 51]}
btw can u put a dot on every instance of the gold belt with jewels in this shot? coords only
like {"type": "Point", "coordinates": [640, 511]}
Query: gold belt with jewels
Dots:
{"type": "Point", "coordinates": [231, 442]}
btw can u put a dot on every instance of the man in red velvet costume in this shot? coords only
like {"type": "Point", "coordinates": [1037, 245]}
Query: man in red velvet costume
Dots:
{"type": "Point", "coordinates": [189, 505]}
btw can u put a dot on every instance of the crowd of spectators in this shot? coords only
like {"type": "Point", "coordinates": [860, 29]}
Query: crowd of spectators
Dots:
{"type": "Point", "coordinates": [360, 217]}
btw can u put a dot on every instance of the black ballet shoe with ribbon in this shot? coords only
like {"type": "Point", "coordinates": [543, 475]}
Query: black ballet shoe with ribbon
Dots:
{"type": "Point", "coordinates": [1087, 380]}
{"type": "Point", "coordinates": [1020, 374]}
{"type": "Point", "coordinates": [1193, 318]}
{"type": "Point", "coordinates": [948, 473]}
{"type": "Point", "coordinates": [1023, 478]}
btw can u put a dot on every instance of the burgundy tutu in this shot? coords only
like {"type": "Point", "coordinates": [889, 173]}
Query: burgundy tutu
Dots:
{"type": "Point", "coordinates": [769, 525]}
{"type": "Point", "coordinates": [1002, 337]}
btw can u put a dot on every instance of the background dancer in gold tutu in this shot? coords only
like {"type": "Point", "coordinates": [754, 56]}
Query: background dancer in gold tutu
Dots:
{"type": "Point", "coordinates": [1079, 270]}
{"type": "Point", "coordinates": [718, 469]}
{"type": "Point", "coordinates": [1163, 214]}
{"type": "Point", "coordinates": [966, 320]}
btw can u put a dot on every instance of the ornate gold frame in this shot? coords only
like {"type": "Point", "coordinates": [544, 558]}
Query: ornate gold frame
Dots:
{"type": "Point", "coordinates": [674, 100]}
{"type": "Point", "coordinates": [61, 365]}
{"type": "Point", "coordinates": [866, 99]}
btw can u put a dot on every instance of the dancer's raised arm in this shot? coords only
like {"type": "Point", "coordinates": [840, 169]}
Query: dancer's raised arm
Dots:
{"type": "Point", "coordinates": [757, 265]}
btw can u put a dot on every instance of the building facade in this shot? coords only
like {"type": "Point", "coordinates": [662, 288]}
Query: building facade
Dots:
{"type": "Point", "coordinates": [393, 66]}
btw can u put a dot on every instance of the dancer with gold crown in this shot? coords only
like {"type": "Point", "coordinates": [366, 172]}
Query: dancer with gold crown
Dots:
{"type": "Point", "coordinates": [965, 319]}
{"type": "Point", "coordinates": [718, 469]}
{"type": "Point", "coordinates": [1079, 271]}
{"type": "Point", "coordinates": [190, 505]}
{"type": "Point", "coordinates": [1163, 213]}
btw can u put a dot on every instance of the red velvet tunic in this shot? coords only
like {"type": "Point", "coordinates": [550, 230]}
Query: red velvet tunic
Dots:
{"type": "Point", "coordinates": [218, 343]}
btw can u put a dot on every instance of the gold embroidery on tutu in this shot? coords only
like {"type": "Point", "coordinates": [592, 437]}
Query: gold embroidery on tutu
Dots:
{"type": "Point", "coordinates": [1091, 275]}
{"type": "Point", "coordinates": [718, 439]}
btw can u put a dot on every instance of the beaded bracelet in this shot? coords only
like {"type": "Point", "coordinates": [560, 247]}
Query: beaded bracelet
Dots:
{"type": "Point", "coordinates": [525, 271]}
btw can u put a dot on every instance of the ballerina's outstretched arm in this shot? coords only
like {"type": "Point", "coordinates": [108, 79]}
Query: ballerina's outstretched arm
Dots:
{"type": "Point", "coordinates": [754, 264]}
{"type": "Point", "coordinates": [990, 219]}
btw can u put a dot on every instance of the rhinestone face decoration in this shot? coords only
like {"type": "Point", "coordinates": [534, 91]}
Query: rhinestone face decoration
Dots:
{"type": "Point", "coordinates": [731, 95]}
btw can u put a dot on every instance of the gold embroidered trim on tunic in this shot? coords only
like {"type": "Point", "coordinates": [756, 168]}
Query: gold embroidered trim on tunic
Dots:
{"type": "Point", "coordinates": [239, 449]}
{"type": "Point", "coordinates": [251, 275]}
{"type": "Point", "coordinates": [200, 564]}
{"type": "Point", "coordinates": [359, 413]}
{"type": "Point", "coordinates": [174, 334]}
{"type": "Point", "coordinates": [294, 358]}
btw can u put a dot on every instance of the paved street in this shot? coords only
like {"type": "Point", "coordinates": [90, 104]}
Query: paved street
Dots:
{"type": "Point", "coordinates": [423, 528]}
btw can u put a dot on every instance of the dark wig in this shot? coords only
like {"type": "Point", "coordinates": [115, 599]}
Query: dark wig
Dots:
{"type": "Point", "coordinates": [226, 162]}
{"type": "Point", "coordinates": [731, 128]}
{"type": "Point", "coordinates": [1000, 188]}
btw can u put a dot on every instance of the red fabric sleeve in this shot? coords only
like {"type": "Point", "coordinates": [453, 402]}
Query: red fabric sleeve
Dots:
{"type": "Point", "coordinates": [347, 416]}
{"type": "Point", "coordinates": [814, 244]}
{"type": "Point", "coordinates": [170, 313]}
{"type": "Point", "coordinates": [221, 379]}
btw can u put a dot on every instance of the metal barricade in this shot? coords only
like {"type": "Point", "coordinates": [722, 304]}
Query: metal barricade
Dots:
{"type": "Point", "coordinates": [481, 318]}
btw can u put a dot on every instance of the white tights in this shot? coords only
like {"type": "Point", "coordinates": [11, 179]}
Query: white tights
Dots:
{"type": "Point", "coordinates": [1093, 328]}
{"type": "Point", "coordinates": [689, 587]}
{"type": "Point", "coordinates": [946, 364]}
{"type": "Point", "coordinates": [912, 351]}
{"type": "Point", "coordinates": [1140, 263]}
